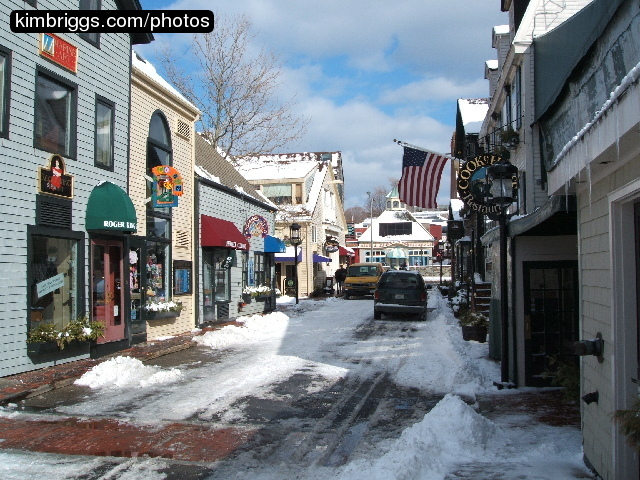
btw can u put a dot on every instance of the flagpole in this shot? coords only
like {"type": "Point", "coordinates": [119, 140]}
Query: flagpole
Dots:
{"type": "Point", "coordinates": [415, 147]}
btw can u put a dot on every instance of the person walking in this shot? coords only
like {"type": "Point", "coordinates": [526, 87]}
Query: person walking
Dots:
{"type": "Point", "coordinates": [340, 276]}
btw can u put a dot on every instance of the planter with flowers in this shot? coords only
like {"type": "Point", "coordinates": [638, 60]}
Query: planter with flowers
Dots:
{"type": "Point", "coordinates": [474, 326]}
{"type": "Point", "coordinates": [48, 341]}
{"type": "Point", "coordinates": [158, 310]}
{"type": "Point", "coordinates": [259, 293]}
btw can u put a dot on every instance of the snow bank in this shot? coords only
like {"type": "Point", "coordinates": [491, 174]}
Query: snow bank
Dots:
{"type": "Point", "coordinates": [451, 433]}
{"type": "Point", "coordinates": [254, 329]}
{"type": "Point", "coordinates": [123, 372]}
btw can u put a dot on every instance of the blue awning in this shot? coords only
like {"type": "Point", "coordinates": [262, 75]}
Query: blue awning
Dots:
{"type": "Point", "coordinates": [274, 245]}
{"type": "Point", "coordinates": [289, 255]}
{"type": "Point", "coordinates": [317, 258]}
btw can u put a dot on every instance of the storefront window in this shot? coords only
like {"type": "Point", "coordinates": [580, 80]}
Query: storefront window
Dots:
{"type": "Point", "coordinates": [215, 279]}
{"type": "Point", "coordinates": [157, 271]}
{"type": "Point", "coordinates": [221, 276]}
{"type": "Point", "coordinates": [53, 280]}
{"type": "Point", "coordinates": [158, 257]}
{"type": "Point", "coordinates": [259, 272]}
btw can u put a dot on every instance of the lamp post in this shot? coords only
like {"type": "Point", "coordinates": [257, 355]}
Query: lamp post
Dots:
{"type": "Point", "coordinates": [502, 178]}
{"type": "Point", "coordinates": [294, 238]}
{"type": "Point", "coordinates": [371, 224]}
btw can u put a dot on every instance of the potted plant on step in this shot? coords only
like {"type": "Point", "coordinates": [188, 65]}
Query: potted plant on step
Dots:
{"type": "Point", "coordinates": [474, 326]}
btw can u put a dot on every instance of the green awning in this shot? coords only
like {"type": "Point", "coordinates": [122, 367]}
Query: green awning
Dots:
{"type": "Point", "coordinates": [110, 208]}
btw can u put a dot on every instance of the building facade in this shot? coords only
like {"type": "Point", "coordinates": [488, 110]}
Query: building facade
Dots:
{"type": "Point", "coordinates": [308, 190]}
{"type": "Point", "coordinates": [64, 129]}
{"type": "Point", "coordinates": [396, 238]}
{"type": "Point", "coordinates": [161, 253]}
{"type": "Point", "coordinates": [591, 149]}
{"type": "Point", "coordinates": [237, 243]}
{"type": "Point", "coordinates": [565, 93]}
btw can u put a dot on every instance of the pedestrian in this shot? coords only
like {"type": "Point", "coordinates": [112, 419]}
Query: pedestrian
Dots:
{"type": "Point", "coordinates": [340, 276]}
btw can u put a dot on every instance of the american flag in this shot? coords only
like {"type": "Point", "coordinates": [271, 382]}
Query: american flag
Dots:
{"type": "Point", "coordinates": [420, 181]}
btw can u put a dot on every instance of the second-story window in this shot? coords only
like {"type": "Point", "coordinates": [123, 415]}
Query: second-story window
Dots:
{"type": "Point", "coordinates": [5, 91]}
{"type": "Point", "coordinates": [278, 193]}
{"type": "Point", "coordinates": [55, 115]}
{"type": "Point", "coordinates": [91, 37]}
{"type": "Point", "coordinates": [104, 134]}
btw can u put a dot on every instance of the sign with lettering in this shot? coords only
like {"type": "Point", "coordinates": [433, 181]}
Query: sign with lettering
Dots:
{"type": "Point", "coordinates": [59, 51]}
{"type": "Point", "coordinates": [50, 285]}
{"type": "Point", "coordinates": [167, 186]}
{"type": "Point", "coordinates": [473, 187]}
{"type": "Point", "coordinates": [331, 246]}
{"type": "Point", "coordinates": [54, 180]}
{"type": "Point", "coordinates": [255, 226]}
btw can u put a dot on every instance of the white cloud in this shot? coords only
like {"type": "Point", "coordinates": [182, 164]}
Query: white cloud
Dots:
{"type": "Point", "coordinates": [365, 72]}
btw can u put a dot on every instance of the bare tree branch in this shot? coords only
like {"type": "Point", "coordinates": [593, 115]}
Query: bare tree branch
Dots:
{"type": "Point", "coordinates": [235, 91]}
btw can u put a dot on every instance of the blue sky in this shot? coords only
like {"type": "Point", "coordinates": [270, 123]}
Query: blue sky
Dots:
{"type": "Point", "coordinates": [366, 71]}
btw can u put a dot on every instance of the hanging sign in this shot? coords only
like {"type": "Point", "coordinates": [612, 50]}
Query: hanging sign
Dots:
{"type": "Point", "coordinates": [255, 226]}
{"type": "Point", "coordinates": [331, 246]}
{"type": "Point", "coordinates": [167, 186]}
{"type": "Point", "coordinates": [473, 187]}
{"type": "Point", "coordinates": [54, 180]}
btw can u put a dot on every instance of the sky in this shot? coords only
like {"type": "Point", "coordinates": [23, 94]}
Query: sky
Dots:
{"type": "Point", "coordinates": [367, 72]}
{"type": "Point", "coordinates": [316, 337]}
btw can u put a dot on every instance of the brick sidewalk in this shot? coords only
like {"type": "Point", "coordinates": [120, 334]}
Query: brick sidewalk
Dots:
{"type": "Point", "coordinates": [36, 382]}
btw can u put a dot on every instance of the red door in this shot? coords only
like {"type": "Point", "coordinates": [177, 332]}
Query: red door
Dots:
{"type": "Point", "coordinates": [106, 287]}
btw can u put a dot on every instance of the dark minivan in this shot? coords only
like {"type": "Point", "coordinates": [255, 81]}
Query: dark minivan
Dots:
{"type": "Point", "coordinates": [400, 292]}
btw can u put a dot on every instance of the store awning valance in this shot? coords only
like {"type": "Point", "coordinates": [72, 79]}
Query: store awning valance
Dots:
{"type": "Point", "coordinates": [274, 245]}
{"type": "Point", "coordinates": [289, 255]}
{"type": "Point", "coordinates": [110, 208]}
{"type": "Point", "coordinates": [317, 258]}
{"type": "Point", "coordinates": [396, 253]}
{"type": "Point", "coordinates": [346, 252]}
{"type": "Point", "coordinates": [216, 232]}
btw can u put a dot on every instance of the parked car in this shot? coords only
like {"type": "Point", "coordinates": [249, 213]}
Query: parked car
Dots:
{"type": "Point", "coordinates": [362, 278]}
{"type": "Point", "coordinates": [400, 292]}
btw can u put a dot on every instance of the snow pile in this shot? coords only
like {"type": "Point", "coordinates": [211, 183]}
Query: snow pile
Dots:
{"type": "Point", "coordinates": [449, 434]}
{"type": "Point", "coordinates": [121, 372]}
{"type": "Point", "coordinates": [254, 329]}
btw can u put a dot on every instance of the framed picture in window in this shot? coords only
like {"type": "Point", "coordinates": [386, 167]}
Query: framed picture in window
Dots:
{"type": "Point", "coordinates": [182, 271]}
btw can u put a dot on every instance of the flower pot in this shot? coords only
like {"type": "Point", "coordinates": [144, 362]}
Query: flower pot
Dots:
{"type": "Point", "coordinates": [49, 351]}
{"type": "Point", "coordinates": [151, 315]}
{"type": "Point", "coordinates": [246, 298]}
{"type": "Point", "coordinates": [479, 334]}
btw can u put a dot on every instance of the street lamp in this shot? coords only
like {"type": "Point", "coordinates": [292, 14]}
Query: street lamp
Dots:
{"type": "Point", "coordinates": [503, 180]}
{"type": "Point", "coordinates": [371, 224]}
{"type": "Point", "coordinates": [295, 240]}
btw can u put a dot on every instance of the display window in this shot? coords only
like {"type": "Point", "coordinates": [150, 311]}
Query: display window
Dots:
{"type": "Point", "coordinates": [54, 295]}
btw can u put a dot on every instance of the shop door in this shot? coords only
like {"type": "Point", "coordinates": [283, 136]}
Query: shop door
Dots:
{"type": "Point", "coordinates": [550, 317]}
{"type": "Point", "coordinates": [107, 297]}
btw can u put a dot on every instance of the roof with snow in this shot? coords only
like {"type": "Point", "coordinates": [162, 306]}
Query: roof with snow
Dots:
{"type": "Point", "coordinates": [211, 166]}
{"type": "Point", "coordinates": [284, 166]}
{"type": "Point", "coordinates": [473, 111]}
{"type": "Point", "coordinates": [418, 232]}
{"type": "Point", "coordinates": [147, 69]}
